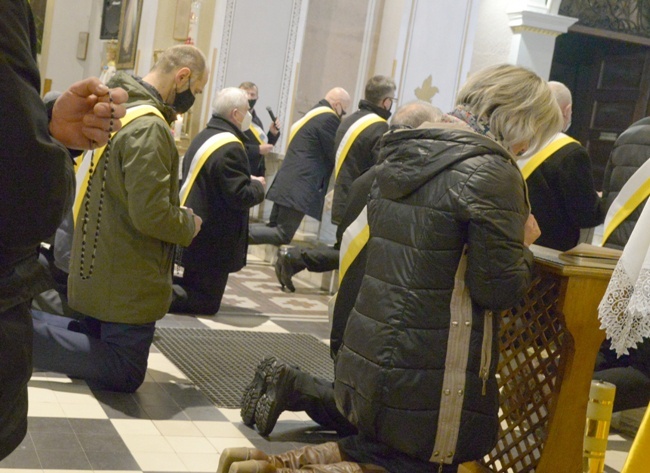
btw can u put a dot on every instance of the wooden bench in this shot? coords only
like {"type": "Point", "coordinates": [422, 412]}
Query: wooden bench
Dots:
{"type": "Point", "coordinates": [548, 344]}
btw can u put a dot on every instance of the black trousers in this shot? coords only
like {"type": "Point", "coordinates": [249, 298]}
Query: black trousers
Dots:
{"type": "Point", "coordinates": [198, 292]}
{"type": "Point", "coordinates": [628, 373]}
{"type": "Point", "coordinates": [15, 371]}
{"type": "Point", "coordinates": [282, 227]}
{"type": "Point", "coordinates": [315, 396]}
{"type": "Point", "coordinates": [320, 259]}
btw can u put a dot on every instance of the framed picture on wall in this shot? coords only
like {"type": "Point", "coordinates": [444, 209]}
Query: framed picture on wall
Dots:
{"type": "Point", "coordinates": [127, 39]}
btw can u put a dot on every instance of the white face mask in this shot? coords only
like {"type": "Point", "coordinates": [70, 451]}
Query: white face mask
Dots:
{"type": "Point", "coordinates": [246, 122]}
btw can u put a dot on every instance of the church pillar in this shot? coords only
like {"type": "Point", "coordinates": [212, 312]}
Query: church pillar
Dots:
{"type": "Point", "coordinates": [535, 25]}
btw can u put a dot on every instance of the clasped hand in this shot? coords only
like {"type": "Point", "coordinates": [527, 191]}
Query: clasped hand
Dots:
{"type": "Point", "coordinates": [82, 116]}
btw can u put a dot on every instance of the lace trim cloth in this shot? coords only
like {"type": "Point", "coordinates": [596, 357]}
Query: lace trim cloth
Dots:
{"type": "Point", "coordinates": [624, 312]}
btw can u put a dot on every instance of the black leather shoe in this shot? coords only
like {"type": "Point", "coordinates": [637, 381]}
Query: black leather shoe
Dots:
{"type": "Point", "coordinates": [277, 266]}
{"type": "Point", "coordinates": [256, 388]}
{"type": "Point", "coordinates": [286, 271]}
{"type": "Point", "coordinates": [274, 401]}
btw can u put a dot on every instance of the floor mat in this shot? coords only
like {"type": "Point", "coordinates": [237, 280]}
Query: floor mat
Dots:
{"type": "Point", "coordinates": [221, 363]}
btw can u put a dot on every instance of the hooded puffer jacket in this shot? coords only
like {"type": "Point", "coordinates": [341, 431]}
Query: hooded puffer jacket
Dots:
{"type": "Point", "coordinates": [630, 152]}
{"type": "Point", "coordinates": [416, 371]}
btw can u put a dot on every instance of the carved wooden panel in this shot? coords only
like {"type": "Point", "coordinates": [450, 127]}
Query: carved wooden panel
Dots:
{"type": "Point", "coordinates": [532, 339]}
{"type": "Point", "coordinates": [623, 16]}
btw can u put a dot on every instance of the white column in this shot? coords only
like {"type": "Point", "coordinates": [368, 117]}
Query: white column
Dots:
{"type": "Point", "coordinates": [434, 49]}
{"type": "Point", "coordinates": [535, 25]}
{"type": "Point", "coordinates": [270, 32]}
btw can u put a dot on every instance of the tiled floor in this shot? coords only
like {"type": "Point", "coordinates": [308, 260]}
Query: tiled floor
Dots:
{"type": "Point", "coordinates": [168, 425]}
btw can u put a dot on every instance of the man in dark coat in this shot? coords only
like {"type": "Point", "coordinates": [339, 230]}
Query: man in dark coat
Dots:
{"type": "Point", "coordinates": [356, 151]}
{"type": "Point", "coordinates": [357, 138]}
{"type": "Point", "coordinates": [218, 186]}
{"type": "Point", "coordinates": [628, 164]}
{"type": "Point", "coordinates": [36, 188]}
{"type": "Point", "coordinates": [259, 143]}
{"type": "Point", "coordinates": [631, 151]}
{"type": "Point", "coordinates": [301, 183]}
{"type": "Point", "coordinates": [561, 188]}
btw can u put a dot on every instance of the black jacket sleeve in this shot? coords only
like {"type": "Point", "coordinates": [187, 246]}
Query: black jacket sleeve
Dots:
{"type": "Point", "coordinates": [37, 181]}
{"type": "Point", "coordinates": [499, 265]}
{"type": "Point", "coordinates": [238, 189]}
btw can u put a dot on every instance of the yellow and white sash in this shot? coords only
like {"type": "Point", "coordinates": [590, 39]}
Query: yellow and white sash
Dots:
{"type": "Point", "coordinates": [355, 237]}
{"type": "Point", "coordinates": [633, 193]}
{"type": "Point", "coordinates": [529, 165]}
{"type": "Point", "coordinates": [351, 135]}
{"type": "Point", "coordinates": [201, 156]}
{"type": "Point", "coordinates": [259, 133]}
{"type": "Point", "coordinates": [311, 114]}
{"type": "Point", "coordinates": [95, 156]}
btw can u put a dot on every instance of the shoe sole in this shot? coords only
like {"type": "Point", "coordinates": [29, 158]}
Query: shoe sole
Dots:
{"type": "Point", "coordinates": [255, 389]}
{"type": "Point", "coordinates": [268, 410]}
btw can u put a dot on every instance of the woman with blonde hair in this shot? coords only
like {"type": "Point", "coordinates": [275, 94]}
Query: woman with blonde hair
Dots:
{"type": "Point", "coordinates": [450, 227]}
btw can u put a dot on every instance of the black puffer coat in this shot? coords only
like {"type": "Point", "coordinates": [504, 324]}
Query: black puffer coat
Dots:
{"type": "Point", "coordinates": [630, 152]}
{"type": "Point", "coordinates": [416, 371]}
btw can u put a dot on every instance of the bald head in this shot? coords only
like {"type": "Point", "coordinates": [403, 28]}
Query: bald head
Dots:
{"type": "Point", "coordinates": [339, 99]}
{"type": "Point", "coordinates": [414, 114]}
{"type": "Point", "coordinates": [561, 93]}
{"type": "Point", "coordinates": [563, 97]}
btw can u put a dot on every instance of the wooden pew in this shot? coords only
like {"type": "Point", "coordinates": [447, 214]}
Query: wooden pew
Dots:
{"type": "Point", "coordinates": [548, 344]}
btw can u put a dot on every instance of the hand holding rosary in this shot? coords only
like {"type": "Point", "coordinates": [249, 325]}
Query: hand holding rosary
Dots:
{"type": "Point", "coordinates": [102, 182]}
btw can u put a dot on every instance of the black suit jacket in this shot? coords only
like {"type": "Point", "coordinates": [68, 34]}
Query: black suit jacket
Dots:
{"type": "Point", "coordinates": [221, 195]}
{"type": "Point", "coordinates": [563, 197]}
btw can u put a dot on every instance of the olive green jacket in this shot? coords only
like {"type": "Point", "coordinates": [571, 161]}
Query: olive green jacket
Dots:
{"type": "Point", "coordinates": [141, 221]}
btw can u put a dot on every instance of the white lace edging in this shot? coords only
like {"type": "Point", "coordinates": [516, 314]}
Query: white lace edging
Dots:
{"type": "Point", "coordinates": [624, 312]}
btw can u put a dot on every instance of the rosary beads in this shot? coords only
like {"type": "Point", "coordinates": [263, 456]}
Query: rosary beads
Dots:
{"type": "Point", "coordinates": [84, 227]}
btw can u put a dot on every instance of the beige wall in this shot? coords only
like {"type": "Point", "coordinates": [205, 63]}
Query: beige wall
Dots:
{"type": "Point", "coordinates": [331, 51]}
{"type": "Point", "coordinates": [493, 34]}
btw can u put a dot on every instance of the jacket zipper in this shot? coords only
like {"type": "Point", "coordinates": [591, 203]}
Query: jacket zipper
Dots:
{"type": "Point", "coordinates": [486, 350]}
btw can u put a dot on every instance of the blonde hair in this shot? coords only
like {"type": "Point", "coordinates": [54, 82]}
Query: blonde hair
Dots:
{"type": "Point", "coordinates": [182, 55]}
{"type": "Point", "coordinates": [516, 103]}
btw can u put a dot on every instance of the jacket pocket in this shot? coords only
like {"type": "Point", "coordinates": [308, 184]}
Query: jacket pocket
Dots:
{"type": "Point", "coordinates": [486, 350]}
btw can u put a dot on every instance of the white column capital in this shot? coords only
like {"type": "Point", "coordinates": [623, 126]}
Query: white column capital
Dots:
{"type": "Point", "coordinates": [534, 33]}
{"type": "Point", "coordinates": [537, 22]}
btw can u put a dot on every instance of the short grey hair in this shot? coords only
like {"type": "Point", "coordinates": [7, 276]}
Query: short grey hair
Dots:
{"type": "Point", "coordinates": [378, 88]}
{"type": "Point", "coordinates": [179, 56]}
{"type": "Point", "coordinates": [561, 92]}
{"type": "Point", "coordinates": [414, 114]}
{"type": "Point", "coordinates": [229, 99]}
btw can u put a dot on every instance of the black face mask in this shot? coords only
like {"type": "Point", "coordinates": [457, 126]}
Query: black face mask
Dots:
{"type": "Point", "coordinates": [251, 103]}
{"type": "Point", "coordinates": [184, 100]}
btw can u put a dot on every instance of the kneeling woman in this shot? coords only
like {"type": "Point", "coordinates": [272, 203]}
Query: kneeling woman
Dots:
{"type": "Point", "coordinates": [450, 227]}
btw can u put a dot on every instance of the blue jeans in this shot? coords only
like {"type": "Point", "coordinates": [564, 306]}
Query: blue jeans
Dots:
{"type": "Point", "coordinates": [108, 356]}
